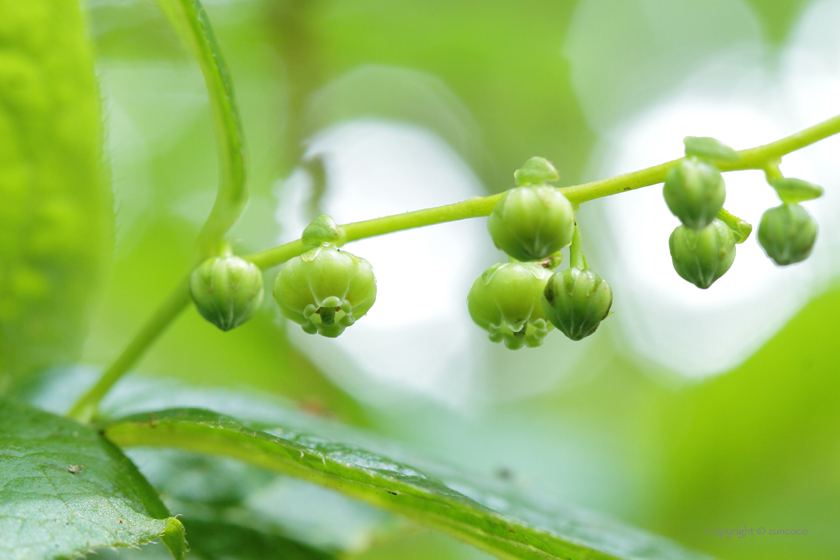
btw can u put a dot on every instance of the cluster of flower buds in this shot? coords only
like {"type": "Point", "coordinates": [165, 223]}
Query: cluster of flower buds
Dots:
{"type": "Point", "coordinates": [519, 302]}
{"type": "Point", "coordinates": [325, 290]}
{"type": "Point", "coordinates": [703, 247]}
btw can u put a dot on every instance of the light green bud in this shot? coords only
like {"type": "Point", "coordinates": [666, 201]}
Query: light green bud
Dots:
{"type": "Point", "coordinates": [787, 233]}
{"type": "Point", "coordinates": [532, 223]}
{"type": "Point", "coordinates": [576, 300]}
{"type": "Point", "coordinates": [325, 290]}
{"type": "Point", "coordinates": [695, 192]}
{"type": "Point", "coordinates": [227, 291]}
{"type": "Point", "coordinates": [505, 302]}
{"type": "Point", "coordinates": [535, 171]}
{"type": "Point", "coordinates": [701, 257]}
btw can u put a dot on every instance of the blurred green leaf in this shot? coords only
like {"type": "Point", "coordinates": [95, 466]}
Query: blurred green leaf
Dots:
{"type": "Point", "coordinates": [514, 528]}
{"type": "Point", "coordinates": [792, 190]}
{"type": "Point", "coordinates": [55, 214]}
{"type": "Point", "coordinates": [777, 16]}
{"type": "Point", "coordinates": [501, 61]}
{"type": "Point", "coordinates": [757, 447]}
{"type": "Point", "coordinates": [218, 541]}
{"type": "Point", "coordinates": [219, 490]}
{"type": "Point", "coordinates": [65, 490]}
{"type": "Point", "coordinates": [227, 541]}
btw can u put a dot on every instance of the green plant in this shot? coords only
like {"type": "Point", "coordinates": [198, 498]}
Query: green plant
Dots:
{"type": "Point", "coordinates": [505, 301]}
{"type": "Point", "coordinates": [75, 465]}
{"type": "Point", "coordinates": [227, 290]}
{"type": "Point", "coordinates": [703, 256]}
{"type": "Point", "coordinates": [325, 290]}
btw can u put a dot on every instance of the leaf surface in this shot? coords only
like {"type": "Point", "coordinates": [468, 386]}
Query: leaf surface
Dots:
{"type": "Point", "coordinates": [55, 203]}
{"type": "Point", "coordinates": [65, 490]}
{"type": "Point", "coordinates": [494, 519]}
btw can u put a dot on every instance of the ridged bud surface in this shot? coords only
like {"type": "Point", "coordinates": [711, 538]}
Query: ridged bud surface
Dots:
{"type": "Point", "coordinates": [576, 300]}
{"type": "Point", "coordinates": [701, 257]}
{"type": "Point", "coordinates": [694, 191]}
{"type": "Point", "coordinates": [532, 223]}
{"type": "Point", "coordinates": [787, 234]}
{"type": "Point", "coordinates": [227, 291]}
{"type": "Point", "coordinates": [505, 301]}
{"type": "Point", "coordinates": [325, 290]}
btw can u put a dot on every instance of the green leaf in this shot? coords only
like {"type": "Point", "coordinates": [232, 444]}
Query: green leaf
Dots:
{"type": "Point", "coordinates": [226, 540]}
{"type": "Point", "coordinates": [777, 18]}
{"type": "Point", "coordinates": [796, 190]}
{"type": "Point", "coordinates": [65, 490]}
{"type": "Point", "coordinates": [710, 149]}
{"type": "Point", "coordinates": [219, 540]}
{"type": "Point", "coordinates": [514, 528]}
{"type": "Point", "coordinates": [175, 538]}
{"type": "Point", "coordinates": [741, 228]}
{"type": "Point", "coordinates": [55, 205]}
{"type": "Point", "coordinates": [212, 490]}
{"type": "Point", "coordinates": [190, 19]}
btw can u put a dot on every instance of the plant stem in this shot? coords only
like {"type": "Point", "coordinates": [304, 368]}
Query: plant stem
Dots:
{"type": "Point", "coordinates": [753, 158]}
{"type": "Point", "coordinates": [86, 408]}
{"type": "Point", "coordinates": [190, 20]}
{"type": "Point", "coordinates": [757, 157]}
{"type": "Point", "coordinates": [576, 257]}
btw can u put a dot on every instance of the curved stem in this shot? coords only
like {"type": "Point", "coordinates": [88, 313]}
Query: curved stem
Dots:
{"type": "Point", "coordinates": [754, 158]}
{"type": "Point", "coordinates": [576, 257]}
{"type": "Point", "coordinates": [757, 157]}
{"type": "Point", "coordinates": [190, 19]}
{"type": "Point", "coordinates": [86, 408]}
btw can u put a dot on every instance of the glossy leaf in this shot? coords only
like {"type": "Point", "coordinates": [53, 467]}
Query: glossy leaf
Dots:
{"type": "Point", "coordinates": [55, 205]}
{"type": "Point", "coordinates": [494, 520]}
{"type": "Point", "coordinates": [226, 540]}
{"type": "Point", "coordinates": [221, 540]}
{"type": "Point", "coordinates": [65, 491]}
{"type": "Point", "coordinates": [211, 490]}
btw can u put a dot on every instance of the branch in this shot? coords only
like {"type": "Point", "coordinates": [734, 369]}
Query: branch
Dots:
{"type": "Point", "coordinates": [755, 158]}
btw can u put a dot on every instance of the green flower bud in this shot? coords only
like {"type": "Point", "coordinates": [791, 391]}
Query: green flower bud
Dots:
{"type": "Point", "coordinates": [694, 191]}
{"type": "Point", "coordinates": [701, 257]}
{"type": "Point", "coordinates": [532, 223]}
{"type": "Point", "coordinates": [710, 149]}
{"type": "Point", "coordinates": [535, 171]}
{"type": "Point", "coordinates": [576, 300]}
{"type": "Point", "coordinates": [505, 301]}
{"type": "Point", "coordinates": [325, 290]}
{"type": "Point", "coordinates": [227, 291]}
{"type": "Point", "coordinates": [787, 233]}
